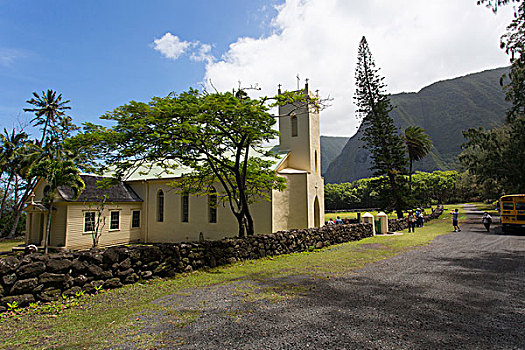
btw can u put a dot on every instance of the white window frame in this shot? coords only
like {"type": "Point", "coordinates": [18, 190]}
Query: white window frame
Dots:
{"type": "Point", "coordinates": [140, 218]}
{"type": "Point", "coordinates": [185, 204]}
{"type": "Point", "coordinates": [84, 220]}
{"type": "Point", "coordinates": [111, 221]}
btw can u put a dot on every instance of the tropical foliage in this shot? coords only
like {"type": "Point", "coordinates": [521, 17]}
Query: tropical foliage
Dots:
{"type": "Point", "coordinates": [418, 144]}
{"type": "Point", "coordinates": [24, 160]}
{"type": "Point", "coordinates": [427, 188]}
{"type": "Point", "coordinates": [497, 156]}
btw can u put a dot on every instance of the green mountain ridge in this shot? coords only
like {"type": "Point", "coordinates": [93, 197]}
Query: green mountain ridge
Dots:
{"type": "Point", "coordinates": [331, 147]}
{"type": "Point", "coordinates": [444, 109]}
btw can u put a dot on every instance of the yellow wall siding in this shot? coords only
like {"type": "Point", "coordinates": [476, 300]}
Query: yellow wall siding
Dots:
{"type": "Point", "coordinates": [57, 236]}
{"type": "Point", "coordinates": [290, 209]}
{"type": "Point", "coordinates": [172, 229]}
{"type": "Point", "coordinates": [77, 239]}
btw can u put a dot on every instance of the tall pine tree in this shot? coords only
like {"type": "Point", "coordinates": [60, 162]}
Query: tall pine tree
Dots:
{"type": "Point", "coordinates": [381, 137]}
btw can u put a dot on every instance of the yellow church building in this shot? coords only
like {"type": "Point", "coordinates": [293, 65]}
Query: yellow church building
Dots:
{"type": "Point", "coordinates": [143, 208]}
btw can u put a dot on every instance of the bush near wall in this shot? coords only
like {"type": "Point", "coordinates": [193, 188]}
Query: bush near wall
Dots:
{"type": "Point", "coordinates": [27, 278]}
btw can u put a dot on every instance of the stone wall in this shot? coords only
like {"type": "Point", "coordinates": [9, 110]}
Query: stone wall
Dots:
{"type": "Point", "coordinates": [27, 278]}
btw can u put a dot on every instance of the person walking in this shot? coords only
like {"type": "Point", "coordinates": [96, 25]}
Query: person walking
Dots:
{"type": "Point", "coordinates": [486, 219]}
{"type": "Point", "coordinates": [455, 220]}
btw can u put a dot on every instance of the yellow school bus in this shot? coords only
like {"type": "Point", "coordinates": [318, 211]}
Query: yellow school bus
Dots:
{"type": "Point", "coordinates": [512, 210]}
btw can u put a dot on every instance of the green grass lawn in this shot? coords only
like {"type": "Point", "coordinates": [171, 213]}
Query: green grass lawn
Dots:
{"type": "Point", "coordinates": [6, 245]}
{"type": "Point", "coordinates": [111, 318]}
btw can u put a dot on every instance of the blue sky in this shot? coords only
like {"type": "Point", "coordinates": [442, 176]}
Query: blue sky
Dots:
{"type": "Point", "coordinates": [101, 54]}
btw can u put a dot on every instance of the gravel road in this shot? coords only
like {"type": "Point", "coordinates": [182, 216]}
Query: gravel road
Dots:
{"type": "Point", "coordinates": [464, 291]}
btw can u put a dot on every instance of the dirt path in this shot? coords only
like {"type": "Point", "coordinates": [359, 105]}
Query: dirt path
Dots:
{"type": "Point", "coordinates": [465, 290]}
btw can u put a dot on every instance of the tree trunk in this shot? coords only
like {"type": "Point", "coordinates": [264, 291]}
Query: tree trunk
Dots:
{"type": "Point", "coordinates": [6, 193]}
{"type": "Point", "coordinates": [48, 228]}
{"type": "Point", "coordinates": [250, 231]}
{"type": "Point", "coordinates": [410, 178]}
{"type": "Point", "coordinates": [12, 233]}
{"type": "Point", "coordinates": [240, 222]}
{"type": "Point", "coordinates": [397, 199]}
{"type": "Point", "coordinates": [18, 209]}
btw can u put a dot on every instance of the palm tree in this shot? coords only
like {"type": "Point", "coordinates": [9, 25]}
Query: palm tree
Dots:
{"type": "Point", "coordinates": [57, 173]}
{"type": "Point", "coordinates": [49, 110]}
{"type": "Point", "coordinates": [11, 147]}
{"type": "Point", "coordinates": [418, 145]}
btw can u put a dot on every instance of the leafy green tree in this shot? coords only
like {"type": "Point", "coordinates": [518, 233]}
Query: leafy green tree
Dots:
{"type": "Point", "coordinates": [57, 173]}
{"type": "Point", "coordinates": [497, 157]}
{"type": "Point", "coordinates": [215, 135]}
{"type": "Point", "coordinates": [418, 144]}
{"type": "Point", "coordinates": [11, 147]}
{"type": "Point", "coordinates": [381, 137]}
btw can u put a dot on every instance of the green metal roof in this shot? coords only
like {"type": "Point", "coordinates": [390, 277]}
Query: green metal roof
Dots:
{"type": "Point", "coordinates": [156, 171]}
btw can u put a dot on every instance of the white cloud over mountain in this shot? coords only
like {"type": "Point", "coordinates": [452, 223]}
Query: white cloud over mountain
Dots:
{"type": "Point", "coordinates": [415, 42]}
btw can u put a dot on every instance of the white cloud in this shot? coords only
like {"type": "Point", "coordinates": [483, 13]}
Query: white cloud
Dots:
{"type": "Point", "coordinates": [170, 46]}
{"type": "Point", "coordinates": [203, 53]}
{"type": "Point", "coordinates": [415, 42]}
{"type": "Point", "coordinates": [9, 56]}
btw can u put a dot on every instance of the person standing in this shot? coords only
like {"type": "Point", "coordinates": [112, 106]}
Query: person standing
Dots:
{"type": "Point", "coordinates": [455, 220]}
{"type": "Point", "coordinates": [486, 219]}
{"type": "Point", "coordinates": [411, 221]}
{"type": "Point", "coordinates": [338, 221]}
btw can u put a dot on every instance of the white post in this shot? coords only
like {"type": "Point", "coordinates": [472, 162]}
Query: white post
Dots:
{"type": "Point", "coordinates": [368, 218]}
{"type": "Point", "coordinates": [383, 221]}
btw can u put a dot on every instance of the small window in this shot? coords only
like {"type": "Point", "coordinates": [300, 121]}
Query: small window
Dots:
{"type": "Point", "coordinates": [160, 206]}
{"type": "Point", "coordinates": [46, 190]}
{"type": "Point", "coordinates": [508, 206]}
{"type": "Point", "coordinates": [294, 126]}
{"type": "Point", "coordinates": [115, 220]}
{"type": "Point", "coordinates": [135, 219]}
{"type": "Point", "coordinates": [89, 221]}
{"type": "Point", "coordinates": [185, 205]}
{"type": "Point", "coordinates": [315, 161]}
{"type": "Point", "coordinates": [212, 205]}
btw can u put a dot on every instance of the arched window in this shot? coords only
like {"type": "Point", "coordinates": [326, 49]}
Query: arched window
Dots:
{"type": "Point", "coordinates": [212, 206]}
{"type": "Point", "coordinates": [294, 126]}
{"type": "Point", "coordinates": [315, 161]}
{"type": "Point", "coordinates": [185, 207]}
{"type": "Point", "coordinates": [160, 206]}
{"type": "Point", "coordinates": [317, 213]}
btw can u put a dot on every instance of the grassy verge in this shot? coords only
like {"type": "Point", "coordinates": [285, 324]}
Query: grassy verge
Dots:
{"type": "Point", "coordinates": [7, 244]}
{"type": "Point", "coordinates": [117, 316]}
